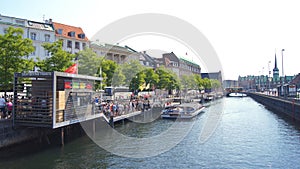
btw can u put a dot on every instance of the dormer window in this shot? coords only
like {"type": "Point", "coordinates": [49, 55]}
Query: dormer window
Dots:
{"type": "Point", "coordinates": [81, 36]}
{"type": "Point", "coordinates": [59, 31]}
{"type": "Point", "coordinates": [71, 34]}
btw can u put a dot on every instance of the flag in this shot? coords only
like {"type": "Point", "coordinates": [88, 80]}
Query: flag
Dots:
{"type": "Point", "coordinates": [72, 69]}
{"type": "Point", "coordinates": [148, 86]}
{"type": "Point", "coordinates": [142, 87]}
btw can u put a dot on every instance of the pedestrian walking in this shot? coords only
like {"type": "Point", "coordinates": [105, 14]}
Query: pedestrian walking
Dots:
{"type": "Point", "coordinates": [2, 107]}
{"type": "Point", "coordinates": [9, 107]}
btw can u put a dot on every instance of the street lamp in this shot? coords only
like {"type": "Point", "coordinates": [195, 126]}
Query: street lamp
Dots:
{"type": "Point", "coordinates": [283, 78]}
{"type": "Point", "coordinates": [269, 78]}
{"type": "Point", "coordinates": [282, 62]}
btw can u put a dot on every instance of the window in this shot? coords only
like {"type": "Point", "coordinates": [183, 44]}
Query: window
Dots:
{"type": "Point", "coordinates": [5, 30]}
{"type": "Point", "coordinates": [33, 36]}
{"type": "Point", "coordinates": [47, 38]}
{"type": "Point", "coordinates": [77, 45]}
{"type": "Point", "coordinates": [81, 36]}
{"type": "Point", "coordinates": [71, 34]}
{"type": "Point", "coordinates": [69, 44]}
{"type": "Point", "coordinates": [59, 31]}
{"type": "Point", "coordinates": [83, 45]}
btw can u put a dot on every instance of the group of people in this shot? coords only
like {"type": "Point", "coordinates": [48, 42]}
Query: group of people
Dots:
{"type": "Point", "coordinates": [6, 107]}
{"type": "Point", "coordinates": [111, 108]}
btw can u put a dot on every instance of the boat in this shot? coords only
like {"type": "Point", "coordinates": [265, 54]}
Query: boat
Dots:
{"type": "Point", "coordinates": [237, 94]}
{"type": "Point", "coordinates": [182, 111]}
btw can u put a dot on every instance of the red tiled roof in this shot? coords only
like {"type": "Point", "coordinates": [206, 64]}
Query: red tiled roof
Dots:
{"type": "Point", "coordinates": [66, 29]}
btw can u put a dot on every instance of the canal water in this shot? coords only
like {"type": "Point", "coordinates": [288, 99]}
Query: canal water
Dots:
{"type": "Point", "coordinates": [247, 135]}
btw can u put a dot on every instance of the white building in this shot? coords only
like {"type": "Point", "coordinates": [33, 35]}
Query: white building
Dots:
{"type": "Point", "coordinates": [38, 32]}
{"type": "Point", "coordinates": [7, 21]}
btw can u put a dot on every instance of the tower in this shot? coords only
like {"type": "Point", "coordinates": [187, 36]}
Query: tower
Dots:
{"type": "Point", "coordinates": [275, 72]}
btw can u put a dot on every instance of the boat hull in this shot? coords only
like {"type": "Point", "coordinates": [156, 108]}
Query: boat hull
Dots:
{"type": "Point", "coordinates": [182, 116]}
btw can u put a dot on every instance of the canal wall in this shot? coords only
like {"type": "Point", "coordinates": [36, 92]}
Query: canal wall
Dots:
{"type": "Point", "coordinates": [288, 107]}
{"type": "Point", "coordinates": [10, 136]}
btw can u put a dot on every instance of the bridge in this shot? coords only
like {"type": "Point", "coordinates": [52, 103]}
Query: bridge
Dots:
{"type": "Point", "coordinates": [235, 92]}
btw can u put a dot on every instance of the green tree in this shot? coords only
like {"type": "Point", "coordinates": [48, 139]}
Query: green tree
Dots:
{"type": "Point", "coordinates": [13, 52]}
{"type": "Point", "coordinates": [151, 78]}
{"type": "Point", "coordinates": [108, 68]}
{"type": "Point", "coordinates": [206, 83]}
{"type": "Point", "coordinates": [130, 70]}
{"type": "Point", "coordinates": [118, 77]}
{"type": "Point", "coordinates": [137, 81]}
{"type": "Point", "coordinates": [88, 62]}
{"type": "Point", "coordinates": [189, 82]}
{"type": "Point", "coordinates": [60, 60]}
{"type": "Point", "coordinates": [215, 84]}
{"type": "Point", "coordinates": [167, 79]}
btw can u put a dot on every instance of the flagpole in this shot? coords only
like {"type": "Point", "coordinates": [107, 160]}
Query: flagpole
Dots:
{"type": "Point", "coordinates": [77, 64]}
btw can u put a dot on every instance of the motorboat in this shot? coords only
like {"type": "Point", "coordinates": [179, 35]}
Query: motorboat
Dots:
{"type": "Point", "coordinates": [182, 111]}
{"type": "Point", "coordinates": [237, 94]}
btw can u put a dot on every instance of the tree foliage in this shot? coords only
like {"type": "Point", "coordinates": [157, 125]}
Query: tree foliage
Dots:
{"type": "Point", "coordinates": [13, 51]}
{"type": "Point", "coordinates": [130, 70]}
{"type": "Point", "coordinates": [59, 60]}
{"type": "Point", "coordinates": [118, 77]}
{"type": "Point", "coordinates": [151, 78]}
{"type": "Point", "coordinates": [108, 68]}
{"type": "Point", "coordinates": [167, 79]}
{"type": "Point", "coordinates": [88, 62]}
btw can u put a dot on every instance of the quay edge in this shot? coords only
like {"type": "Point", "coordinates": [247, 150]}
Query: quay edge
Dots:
{"type": "Point", "coordinates": [287, 107]}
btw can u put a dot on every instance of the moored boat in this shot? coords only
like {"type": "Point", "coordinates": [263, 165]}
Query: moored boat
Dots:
{"type": "Point", "coordinates": [182, 111]}
{"type": "Point", "coordinates": [237, 94]}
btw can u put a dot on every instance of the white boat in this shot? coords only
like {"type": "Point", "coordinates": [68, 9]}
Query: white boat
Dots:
{"type": "Point", "coordinates": [237, 95]}
{"type": "Point", "coordinates": [182, 111]}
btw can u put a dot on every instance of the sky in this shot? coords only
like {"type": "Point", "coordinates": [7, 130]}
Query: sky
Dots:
{"type": "Point", "coordinates": [245, 34]}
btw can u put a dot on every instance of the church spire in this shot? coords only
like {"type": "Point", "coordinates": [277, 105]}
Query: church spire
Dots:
{"type": "Point", "coordinates": [275, 71]}
{"type": "Point", "coordinates": [275, 68]}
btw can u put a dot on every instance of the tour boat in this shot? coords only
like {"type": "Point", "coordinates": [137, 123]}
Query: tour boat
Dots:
{"type": "Point", "coordinates": [237, 95]}
{"type": "Point", "coordinates": [182, 111]}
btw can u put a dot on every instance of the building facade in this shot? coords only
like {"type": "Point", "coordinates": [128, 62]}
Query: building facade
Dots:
{"type": "Point", "coordinates": [73, 38]}
{"type": "Point", "coordinates": [264, 82]}
{"type": "Point", "coordinates": [180, 66]}
{"type": "Point", "coordinates": [115, 53]}
{"type": "Point", "coordinates": [38, 32]}
{"type": "Point", "coordinates": [7, 21]}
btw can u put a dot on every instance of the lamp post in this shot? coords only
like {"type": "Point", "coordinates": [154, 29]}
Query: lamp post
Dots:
{"type": "Point", "coordinates": [263, 79]}
{"type": "Point", "coordinates": [259, 81]}
{"type": "Point", "coordinates": [282, 62]}
{"type": "Point", "coordinates": [269, 77]}
{"type": "Point", "coordinates": [283, 78]}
